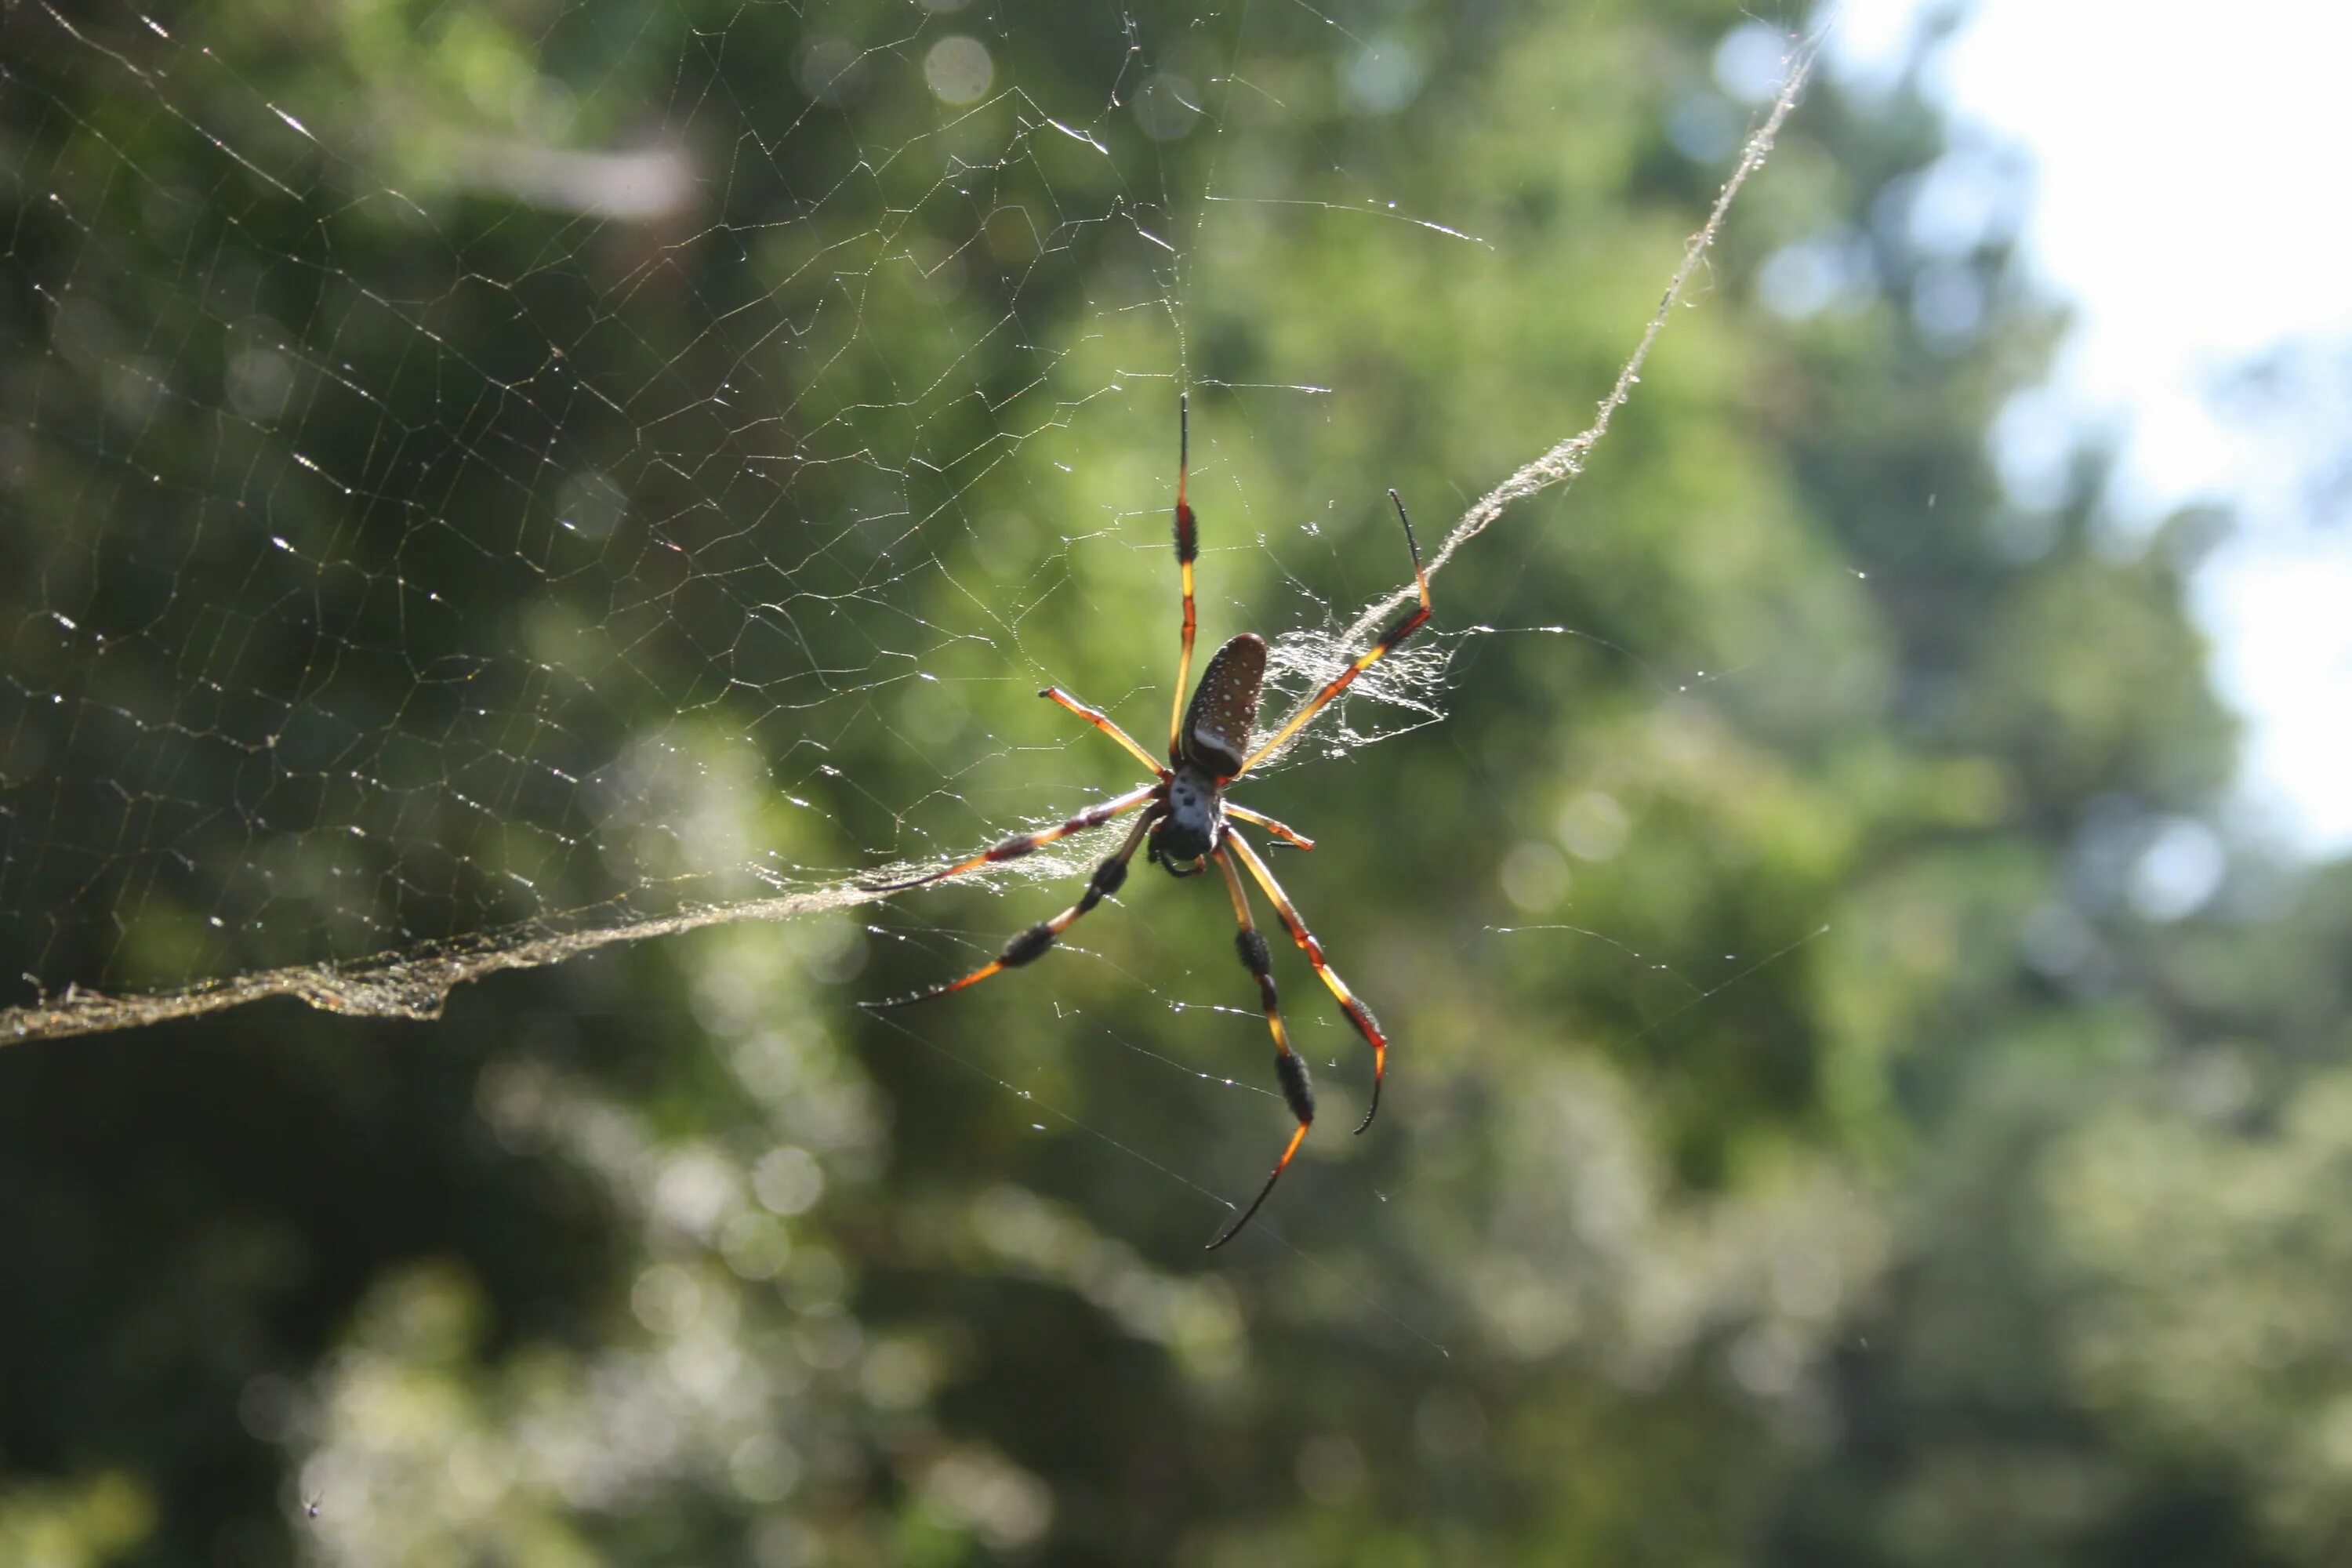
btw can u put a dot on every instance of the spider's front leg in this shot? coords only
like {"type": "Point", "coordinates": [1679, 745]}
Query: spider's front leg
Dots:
{"type": "Point", "coordinates": [1358, 1013]}
{"type": "Point", "coordinates": [1030, 944]}
{"type": "Point", "coordinates": [1297, 1090]}
{"type": "Point", "coordinates": [1013, 849]}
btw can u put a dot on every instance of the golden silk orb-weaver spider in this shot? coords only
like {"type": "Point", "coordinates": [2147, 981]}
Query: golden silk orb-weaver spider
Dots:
{"type": "Point", "coordinates": [1187, 821]}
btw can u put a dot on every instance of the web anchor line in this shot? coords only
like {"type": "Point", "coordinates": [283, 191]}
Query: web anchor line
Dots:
{"type": "Point", "coordinates": [388, 984]}
{"type": "Point", "coordinates": [1562, 463]}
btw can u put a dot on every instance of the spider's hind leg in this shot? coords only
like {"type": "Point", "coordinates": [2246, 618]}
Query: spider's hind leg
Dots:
{"type": "Point", "coordinates": [1380, 650]}
{"type": "Point", "coordinates": [1188, 549]}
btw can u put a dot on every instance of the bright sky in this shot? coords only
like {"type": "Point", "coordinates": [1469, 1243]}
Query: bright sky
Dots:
{"type": "Point", "coordinates": [2188, 163]}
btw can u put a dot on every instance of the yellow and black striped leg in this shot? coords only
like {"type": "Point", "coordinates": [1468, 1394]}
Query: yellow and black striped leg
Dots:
{"type": "Point", "coordinates": [1101, 720]}
{"type": "Point", "coordinates": [1030, 944]}
{"type": "Point", "coordinates": [1187, 547]}
{"type": "Point", "coordinates": [1358, 1013]}
{"type": "Point", "coordinates": [1396, 634]}
{"type": "Point", "coordinates": [1289, 836]}
{"type": "Point", "coordinates": [1013, 849]}
{"type": "Point", "coordinates": [1288, 1066]}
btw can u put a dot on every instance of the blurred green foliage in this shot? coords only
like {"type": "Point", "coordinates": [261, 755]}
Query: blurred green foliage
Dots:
{"type": "Point", "coordinates": [521, 467]}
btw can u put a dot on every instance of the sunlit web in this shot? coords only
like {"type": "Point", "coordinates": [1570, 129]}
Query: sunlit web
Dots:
{"type": "Point", "coordinates": [496, 492]}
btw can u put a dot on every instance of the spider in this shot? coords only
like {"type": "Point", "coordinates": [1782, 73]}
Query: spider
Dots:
{"type": "Point", "coordinates": [1187, 821]}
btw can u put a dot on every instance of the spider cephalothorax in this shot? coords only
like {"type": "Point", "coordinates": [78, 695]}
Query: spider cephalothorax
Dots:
{"type": "Point", "coordinates": [1187, 822]}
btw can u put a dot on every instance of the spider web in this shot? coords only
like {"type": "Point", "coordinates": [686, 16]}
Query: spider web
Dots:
{"type": "Point", "coordinates": [473, 500]}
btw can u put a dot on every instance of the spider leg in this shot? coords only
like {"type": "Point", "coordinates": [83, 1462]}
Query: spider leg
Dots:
{"type": "Point", "coordinates": [1389, 639]}
{"type": "Point", "coordinates": [1100, 721]}
{"type": "Point", "coordinates": [1289, 836]}
{"type": "Point", "coordinates": [1288, 1066]}
{"type": "Point", "coordinates": [1188, 545]}
{"type": "Point", "coordinates": [1030, 944]}
{"type": "Point", "coordinates": [1358, 1013]}
{"type": "Point", "coordinates": [1013, 849]}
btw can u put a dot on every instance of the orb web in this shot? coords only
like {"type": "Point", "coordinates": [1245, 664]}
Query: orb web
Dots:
{"type": "Point", "coordinates": [482, 489]}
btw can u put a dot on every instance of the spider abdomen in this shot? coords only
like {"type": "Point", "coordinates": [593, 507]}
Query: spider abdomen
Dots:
{"type": "Point", "coordinates": [1216, 731]}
